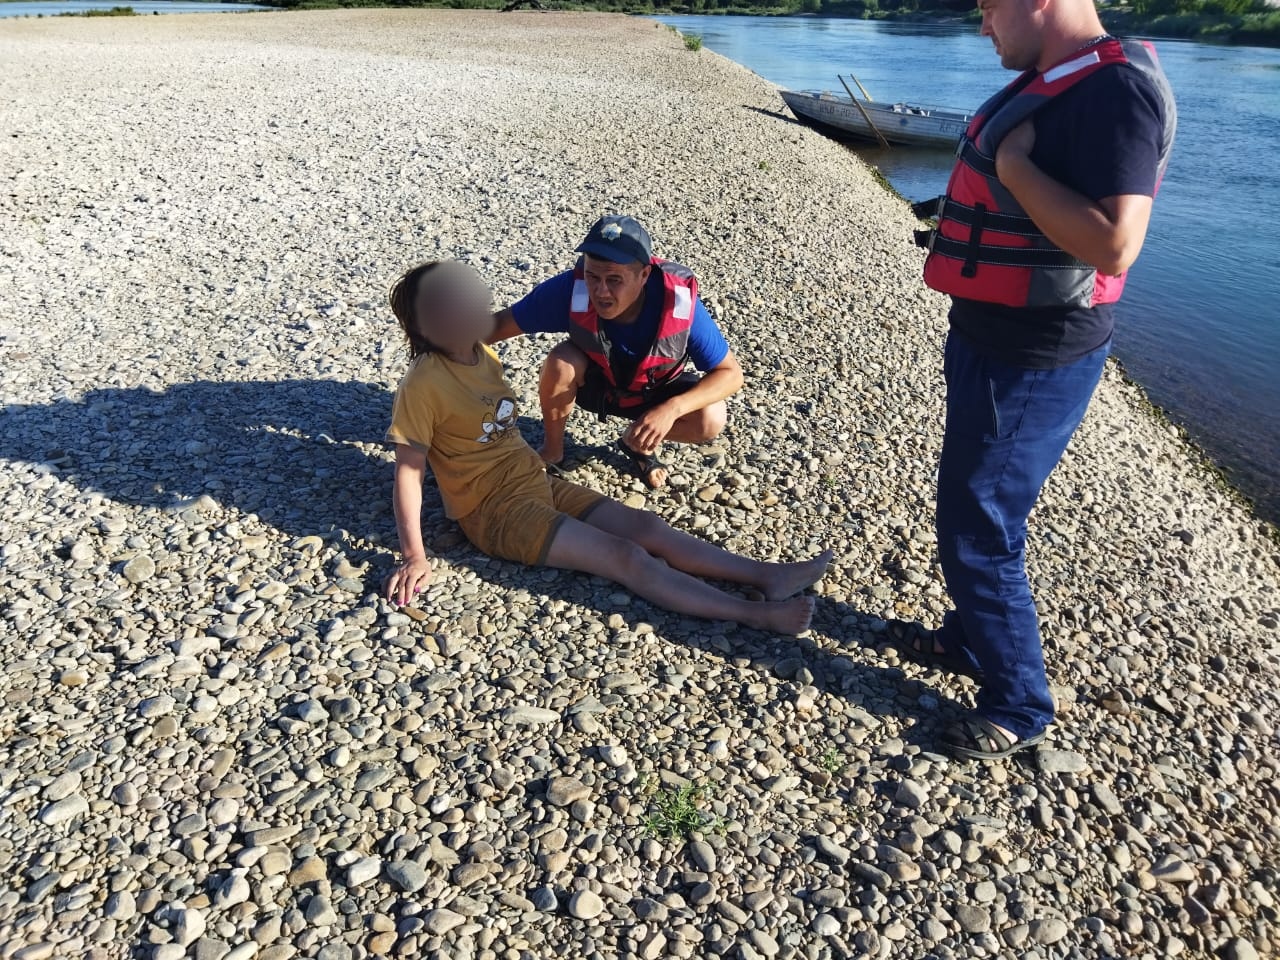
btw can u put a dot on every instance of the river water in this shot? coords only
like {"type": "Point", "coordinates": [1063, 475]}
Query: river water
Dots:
{"type": "Point", "coordinates": [1199, 326]}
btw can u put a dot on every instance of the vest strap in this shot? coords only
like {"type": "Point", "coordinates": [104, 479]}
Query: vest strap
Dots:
{"type": "Point", "coordinates": [974, 247]}
{"type": "Point", "coordinates": [1000, 222]}
{"type": "Point", "coordinates": [978, 254]}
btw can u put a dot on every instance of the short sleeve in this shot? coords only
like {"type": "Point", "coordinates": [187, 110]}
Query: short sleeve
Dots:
{"type": "Point", "coordinates": [545, 309]}
{"type": "Point", "coordinates": [413, 416]}
{"type": "Point", "coordinates": [1117, 134]}
{"type": "Point", "coordinates": [707, 345]}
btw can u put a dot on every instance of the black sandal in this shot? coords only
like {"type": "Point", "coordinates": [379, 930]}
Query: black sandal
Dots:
{"type": "Point", "coordinates": [977, 738]}
{"type": "Point", "coordinates": [913, 642]}
{"type": "Point", "coordinates": [643, 464]}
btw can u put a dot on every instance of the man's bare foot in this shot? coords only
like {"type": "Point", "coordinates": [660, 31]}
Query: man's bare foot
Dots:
{"type": "Point", "coordinates": [652, 471]}
{"type": "Point", "coordinates": [552, 455]}
{"type": "Point", "coordinates": [787, 579]}
{"type": "Point", "coordinates": [790, 617]}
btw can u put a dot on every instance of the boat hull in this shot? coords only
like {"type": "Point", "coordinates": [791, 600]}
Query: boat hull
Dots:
{"type": "Point", "coordinates": [841, 119]}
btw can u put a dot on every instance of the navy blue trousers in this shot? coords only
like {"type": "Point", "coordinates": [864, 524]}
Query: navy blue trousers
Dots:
{"type": "Point", "coordinates": [1007, 428]}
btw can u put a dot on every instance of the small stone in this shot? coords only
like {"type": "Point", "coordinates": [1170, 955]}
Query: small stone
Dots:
{"type": "Point", "coordinates": [1105, 797]}
{"type": "Point", "coordinates": [120, 906]}
{"type": "Point", "coordinates": [544, 900]}
{"type": "Point", "coordinates": [126, 795]}
{"type": "Point", "coordinates": [1239, 949]}
{"type": "Point", "coordinates": [308, 871]}
{"type": "Point", "coordinates": [363, 870]}
{"type": "Point", "coordinates": [564, 791]}
{"type": "Point", "coordinates": [825, 925]}
{"type": "Point", "coordinates": [156, 706]}
{"type": "Point", "coordinates": [528, 716]}
{"type": "Point", "coordinates": [1060, 761]}
{"type": "Point", "coordinates": [1172, 870]}
{"type": "Point", "coordinates": [614, 756]}
{"type": "Point", "coordinates": [440, 921]}
{"type": "Point", "coordinates": [320, 911]}
{"type": "Point", "coordinates": [702, 855]}
{"type": "Point", "coordinates": [763, 942]}
{"type": "Point", "coordinates": [233, 890]}
{"type": "Point", "coordinates": [972, 919]}
{"type": "Point", "coordinates": [830, 851]}
{"type": "Point", "coordinates": [585, 905]}
{"type": "Point", "coordinates": [139, 569]}
{"type": "Point", "coordinates": [190, 926]}
{"type": "Point", "coordinates": [911, 794]}
{"type": "Point", "coordinates": [1047, 931]}
{"type": "Point", "coordinates": [61, 811]}
{"type": "Point", "coordinates": [407, 875]}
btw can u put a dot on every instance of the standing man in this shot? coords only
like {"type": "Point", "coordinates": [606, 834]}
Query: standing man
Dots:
{"type": "Point", "coordinates": [1046, 208]}
{"type": "Point", "coordinates": [634, 322]}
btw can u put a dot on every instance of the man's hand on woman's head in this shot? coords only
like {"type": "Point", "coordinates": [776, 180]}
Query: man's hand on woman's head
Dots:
{"type": "Point", "coordinates": [407, 580]}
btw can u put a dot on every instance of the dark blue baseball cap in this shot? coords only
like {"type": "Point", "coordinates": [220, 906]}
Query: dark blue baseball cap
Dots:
{"type": "Point", "coordinates": [619, 239]}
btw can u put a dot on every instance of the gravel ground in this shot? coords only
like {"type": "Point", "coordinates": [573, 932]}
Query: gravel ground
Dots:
{"type": "Point", "coordinates": [216, 741]}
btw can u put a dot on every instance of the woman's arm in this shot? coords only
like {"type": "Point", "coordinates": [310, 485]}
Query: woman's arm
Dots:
{"type": "Point", "coordinates": [414, 571]}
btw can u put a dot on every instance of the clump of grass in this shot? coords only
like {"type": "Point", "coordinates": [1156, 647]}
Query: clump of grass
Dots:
{"type": "Point", "coordinates": [679, 813]}
{"type": "Point", "coordinates": [763, 165]}
{"type": "Point", "coordinates": [693, 42]}
{"type": "Point", "coordinates": [832, 760]}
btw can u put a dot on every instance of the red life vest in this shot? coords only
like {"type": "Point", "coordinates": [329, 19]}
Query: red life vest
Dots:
{"type": "Point", "coordinates": [667, 355]}
{"type": "Point", "coordinates": [985, 247]}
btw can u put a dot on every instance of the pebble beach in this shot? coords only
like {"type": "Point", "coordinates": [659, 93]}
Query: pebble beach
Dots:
{"type": "Point", "coordinates": [217, 741]}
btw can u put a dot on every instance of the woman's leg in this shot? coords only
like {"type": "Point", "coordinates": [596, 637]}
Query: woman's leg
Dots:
{"type": "Point", "coordinates": [702, 559]}
{"type": "Point", "coordinates": [581, 546]}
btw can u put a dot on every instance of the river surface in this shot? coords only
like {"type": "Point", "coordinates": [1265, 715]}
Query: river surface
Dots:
{"type": "Point", "coordinates": [1199, 326]}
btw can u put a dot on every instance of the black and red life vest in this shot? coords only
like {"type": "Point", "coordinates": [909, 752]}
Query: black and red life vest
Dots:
{"type": "Point", "coordinates": [667, 355]}
{"type": "Point", "coordinates": [985, 247]}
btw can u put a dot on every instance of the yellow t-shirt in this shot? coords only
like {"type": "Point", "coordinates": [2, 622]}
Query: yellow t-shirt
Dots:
{"type": "Point", "coordinates": [464, 419]}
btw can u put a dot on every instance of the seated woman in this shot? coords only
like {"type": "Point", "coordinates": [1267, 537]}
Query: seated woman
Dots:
{"type": "Point", "coordinates": [454, 411]}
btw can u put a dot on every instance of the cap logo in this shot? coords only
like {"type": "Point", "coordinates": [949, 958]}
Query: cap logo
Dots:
{"type": "Point", "coordinates": [611, 231]}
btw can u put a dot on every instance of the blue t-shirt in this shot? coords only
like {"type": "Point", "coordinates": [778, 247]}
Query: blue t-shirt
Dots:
{"type": "Point", "coordinates": [1101, 138]}
{"type": "Point", "coordinates": [545, 309]}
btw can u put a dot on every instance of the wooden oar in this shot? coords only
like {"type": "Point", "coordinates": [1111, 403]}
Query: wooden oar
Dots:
{"type": "Point", "coordinates": [863, 110]}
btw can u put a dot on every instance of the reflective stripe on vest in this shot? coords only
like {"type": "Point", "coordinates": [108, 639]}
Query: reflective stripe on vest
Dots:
{"type": "Point", "coordinates": [667, 354]}
{"type": "Point", "coordinates": [985, 247]}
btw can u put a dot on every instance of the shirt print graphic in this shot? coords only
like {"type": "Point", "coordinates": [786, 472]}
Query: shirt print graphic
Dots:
{"type": "Point", "coordinates": [500, 422]}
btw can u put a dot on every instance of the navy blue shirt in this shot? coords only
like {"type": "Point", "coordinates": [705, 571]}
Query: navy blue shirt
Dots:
{"type": "Point", "coordinates": [1101, 138]}
{"type": "Point", "coordinates": [546, 310]}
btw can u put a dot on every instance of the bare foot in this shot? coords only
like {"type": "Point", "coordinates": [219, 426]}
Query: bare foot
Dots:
{"type": "Point", "coordinates": [657, 477]}
{"type": "Point", "coordinates": [552, 455]}
{"type": "Point", "coordinates": [787, 579]}
{"type": "Point", "coordinates": [789, 617]}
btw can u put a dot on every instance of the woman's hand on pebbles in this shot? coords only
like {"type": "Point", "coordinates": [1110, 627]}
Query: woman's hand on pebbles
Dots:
{"type": "Point", "coordinates": [409, 578]}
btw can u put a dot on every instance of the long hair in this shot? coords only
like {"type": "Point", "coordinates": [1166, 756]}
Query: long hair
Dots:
{"type": "Point", "coordinates": [404, 292]}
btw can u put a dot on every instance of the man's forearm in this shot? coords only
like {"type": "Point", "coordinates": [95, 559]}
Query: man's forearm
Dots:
{"type": "Point", "coordinates": [1072, 221]}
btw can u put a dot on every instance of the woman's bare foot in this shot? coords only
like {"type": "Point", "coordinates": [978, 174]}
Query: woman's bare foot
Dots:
{"type": "Point", "coordinates": [787, 579]}
{"type": "Point", "coordinates": [790, 617]}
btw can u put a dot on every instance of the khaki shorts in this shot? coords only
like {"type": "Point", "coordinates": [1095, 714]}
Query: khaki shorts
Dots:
{"type": "Point", "coordinates": [519, 524]}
